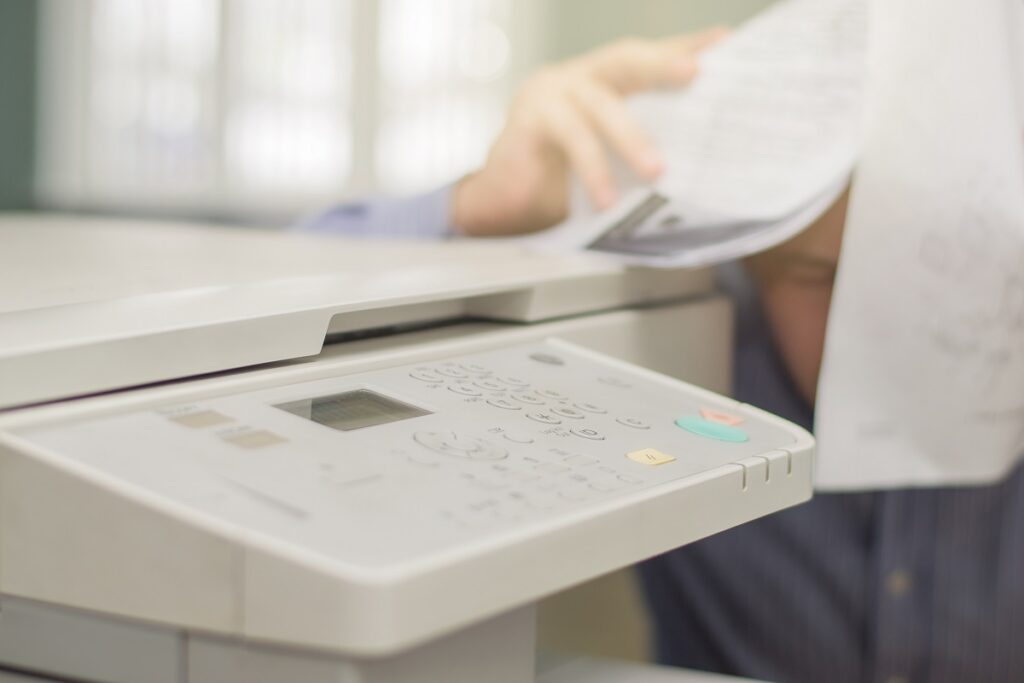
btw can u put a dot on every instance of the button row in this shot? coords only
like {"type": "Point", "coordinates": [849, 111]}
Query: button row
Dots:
{"type": "Point", "coordinates": [450, 443]}
{"type": "Point", "coordinates": [484, 381]}
{"type": "Point", "coordinates": [712, 423]}
{"type": "Point", "coordinates": [470, 386]}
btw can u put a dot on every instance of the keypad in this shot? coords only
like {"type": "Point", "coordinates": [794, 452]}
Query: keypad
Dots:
{"type": "Point", "coordinates": [465, 390]}
{"type": "Point", "coordinates": [503, 403]}
{"type": "Point", "coordinates": [512, 489]}
{"type": "Point", "coordinates": [512, 485]}
{"type": "Point", "coordinates": [588, 433]}
{"type": "Point", "coordinates": [450, 443]}
{"type": "Point", "coordinates": [527, 397]}
{"type": "Point", "coordinates": [515, 437]}
{"type": "Point", "coordinates": [426, 376]}
{"type": "Point", "coordinates": [474, 369]}
{"type": "Point", "coordinates": [522, 475]}
{"type": "Point", "coordinates": [551, 393]}
{"type": "Point", "coordinates": [490, 385]}
{"type": "Point", "coordinates": [550, 407]}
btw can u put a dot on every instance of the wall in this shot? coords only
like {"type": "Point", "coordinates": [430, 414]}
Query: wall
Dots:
{"type": "Point", "coordinates": [18, 21]}
{"type": "Point", "coordinates": [573, 26]}
{"type": "Point", "coordinates": [568, 27]}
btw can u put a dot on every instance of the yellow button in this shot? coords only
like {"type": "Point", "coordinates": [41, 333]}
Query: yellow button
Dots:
{"type": "Point", "coordinates": [649, 456]}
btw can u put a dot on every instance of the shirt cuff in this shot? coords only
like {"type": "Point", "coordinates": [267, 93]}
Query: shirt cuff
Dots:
{"type": "Point", "coordinates": [424, 217]}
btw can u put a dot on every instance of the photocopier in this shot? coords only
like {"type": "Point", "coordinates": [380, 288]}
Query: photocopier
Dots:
{"type": "Point", "coordinates": [242, 456]}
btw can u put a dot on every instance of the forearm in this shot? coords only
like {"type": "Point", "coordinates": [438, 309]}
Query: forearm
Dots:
{"type": "Point", "coordinates": [794, 282]}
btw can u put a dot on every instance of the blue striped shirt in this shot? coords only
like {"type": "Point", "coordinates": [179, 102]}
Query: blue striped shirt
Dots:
{"type": "Point", "coordinates": [881, 587]}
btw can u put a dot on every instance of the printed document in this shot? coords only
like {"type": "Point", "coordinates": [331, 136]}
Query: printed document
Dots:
{"type": "Point", "coordinates": [923, 375]}
{"type": "Point", "coordinates": [756, 148]}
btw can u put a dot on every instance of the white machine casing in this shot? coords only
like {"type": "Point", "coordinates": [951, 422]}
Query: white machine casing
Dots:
{"type": "Point", "coordinates": [433, 504]}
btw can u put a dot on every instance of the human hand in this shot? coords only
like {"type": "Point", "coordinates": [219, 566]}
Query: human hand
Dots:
{"type": "Point", "coordinates": [560, 121]}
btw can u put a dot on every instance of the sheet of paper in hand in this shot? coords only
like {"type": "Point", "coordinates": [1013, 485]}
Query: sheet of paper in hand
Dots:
{"type": "Point", "coordinates": [756, 148]}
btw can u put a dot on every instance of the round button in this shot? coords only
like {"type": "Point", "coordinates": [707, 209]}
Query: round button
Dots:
{"type": "Point", "coordinates": [487, 451]}
{"type": "Point", "coordinates": [549, 358]}
{"type": "Point", "coordinates": [435, 441]}
{"type": "Point", "coordinates": [490, 385]}
{"type": "Point", "coordinates": [465, 390]}
{"type": "Point", "coordinates": [518, 438]}
{"type": "Point", "coordinates": [514, 381]}
{"type": "Point", "coordinates": [426, 376]}
{"type": "Point", "coordinates": [503, 403]}
{"type": "Point", "coordinates": [591, 408]}
{"type": "Point", "coordinates": [440, 442]}
{"type": "Point", "coordinates": [477, 449]}
{"type": "Point", "coordinates": [566, 411]}
{"type": "Point", "coordinates": [545, 418]}
{"type": "Point", "coordinates": [634, 422]}
{"type": "Point", "coordinates": [712, 430]}
{"type": "Point", "coordinates": [450, 371]}
{"type": "Point", "coordinates": [528, 397]}
{"type": "Point", "coordinates": [474, 368]}
{"type": "Point", "coordinates": [551, 393]}
{"type": "Point", "coordinates": [588, 433]}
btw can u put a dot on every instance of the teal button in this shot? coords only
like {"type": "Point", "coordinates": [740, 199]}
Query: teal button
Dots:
{"type": "Point", "coordinates": [712, 430]}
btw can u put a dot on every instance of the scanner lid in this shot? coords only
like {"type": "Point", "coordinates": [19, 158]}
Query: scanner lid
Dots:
{"type": "Point", "coordinates": [98, 304]}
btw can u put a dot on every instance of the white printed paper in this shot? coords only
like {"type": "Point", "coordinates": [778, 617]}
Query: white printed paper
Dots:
{"type": "Point", "coordinates": [756, 148]}
{"type": "Point", "coordinates": [923, 375]}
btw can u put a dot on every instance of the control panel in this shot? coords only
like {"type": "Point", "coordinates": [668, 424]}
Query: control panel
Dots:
{"type": "Point", "coordinates": [382, 466]}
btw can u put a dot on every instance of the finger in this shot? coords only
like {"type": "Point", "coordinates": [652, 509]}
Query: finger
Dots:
{"type": "Point", "coordinates": [697, 42]}
{"type": "Point", "coordinates": [680, 54]}
{"type": "Point", "coordinates": [631, 65]}
{"type": "Point", "coordinates": [572, 133]}
{"type": "Point", "coordinates": [609, 115]}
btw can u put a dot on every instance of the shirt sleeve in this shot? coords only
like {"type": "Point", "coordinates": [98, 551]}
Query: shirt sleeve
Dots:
{"type": "Point", "coordinates": [423, 216]}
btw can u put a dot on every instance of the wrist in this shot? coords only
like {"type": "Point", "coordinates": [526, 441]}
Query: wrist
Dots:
{"type": "Point", "coordinates": [462, 211]}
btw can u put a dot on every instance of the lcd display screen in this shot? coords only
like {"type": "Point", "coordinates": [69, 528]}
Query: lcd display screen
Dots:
{"type": "Point", "coordinates": [352, 410]}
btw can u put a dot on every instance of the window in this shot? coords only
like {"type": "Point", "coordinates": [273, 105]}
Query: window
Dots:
{"type": "Point", "coordinates": [273, 107]}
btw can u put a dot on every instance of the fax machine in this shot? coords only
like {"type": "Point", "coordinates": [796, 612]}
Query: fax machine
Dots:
{"type": "Point", "coordinates": [237, 456]}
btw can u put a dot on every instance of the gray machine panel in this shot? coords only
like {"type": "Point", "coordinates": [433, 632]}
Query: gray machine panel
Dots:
{"type": "Point", "coordinates": [379, 468]}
